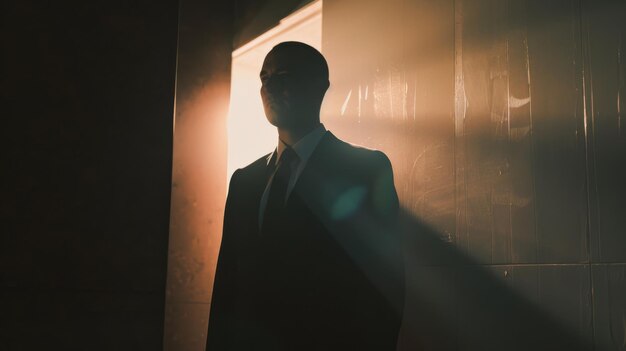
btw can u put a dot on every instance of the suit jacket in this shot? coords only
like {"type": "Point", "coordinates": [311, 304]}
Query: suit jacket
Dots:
{"type": "Point", "coordinates": [328, 274]}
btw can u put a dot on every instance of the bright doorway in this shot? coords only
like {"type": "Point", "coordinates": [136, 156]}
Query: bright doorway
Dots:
{"type": "Point", "coordinates": [250, 136]}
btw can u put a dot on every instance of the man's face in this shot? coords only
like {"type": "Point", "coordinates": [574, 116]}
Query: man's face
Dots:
{"type": "Point", "coordinates": [283, 91]}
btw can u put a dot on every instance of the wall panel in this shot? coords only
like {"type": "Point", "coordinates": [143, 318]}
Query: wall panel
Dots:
{"type": "Point", "coordinates": [605, 44]}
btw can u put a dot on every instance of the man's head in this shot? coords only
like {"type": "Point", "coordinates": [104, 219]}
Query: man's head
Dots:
{"type": "Point", "coordinates": [294, 80]}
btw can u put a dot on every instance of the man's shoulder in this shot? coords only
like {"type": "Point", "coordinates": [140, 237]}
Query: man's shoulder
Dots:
{"type": "Point", "coordinates": [260, 163]}
{"type": "Point", "coordinates": [254, 168]}
{"type": "Point", "coordinates": [356, 155]}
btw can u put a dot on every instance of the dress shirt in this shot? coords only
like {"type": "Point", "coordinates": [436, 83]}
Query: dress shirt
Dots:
{"type": "Point", "coordinates": [304, 149]}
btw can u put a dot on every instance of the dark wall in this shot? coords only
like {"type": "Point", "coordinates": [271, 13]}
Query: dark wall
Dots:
{"type": "Point", "coordinates": [88, 91]}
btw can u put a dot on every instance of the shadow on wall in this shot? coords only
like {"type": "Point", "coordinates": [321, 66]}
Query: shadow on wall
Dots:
{"type": "Point", "coordinates": [452, 302]}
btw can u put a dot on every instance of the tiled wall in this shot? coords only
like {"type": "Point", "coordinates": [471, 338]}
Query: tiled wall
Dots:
{"type": "Point", "coordinates": [503, 123]}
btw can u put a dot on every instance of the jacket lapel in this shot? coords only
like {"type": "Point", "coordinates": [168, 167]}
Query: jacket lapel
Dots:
{"type": "Point", "coordinates": [308, 185]}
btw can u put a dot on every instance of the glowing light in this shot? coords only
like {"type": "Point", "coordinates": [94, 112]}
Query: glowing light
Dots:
{"type": "Point", "coordinates": [250, 136]}
{"type": "Point", "coordinates": [348, 203]}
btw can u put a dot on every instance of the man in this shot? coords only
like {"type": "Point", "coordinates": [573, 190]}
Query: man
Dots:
{"type": "Point", "coordinates": [309, 257]}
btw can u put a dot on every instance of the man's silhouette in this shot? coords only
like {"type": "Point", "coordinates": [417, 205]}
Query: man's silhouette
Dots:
{"type": "Point", "coordinates": [308, 259]}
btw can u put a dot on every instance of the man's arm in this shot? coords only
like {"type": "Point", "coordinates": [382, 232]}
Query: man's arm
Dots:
{"type": "Point", "coordinates": [224, 286]}
{"type": "Point", "coordinates": [378, 251]}
{"type": "Point", "coordinates": [384, 210]}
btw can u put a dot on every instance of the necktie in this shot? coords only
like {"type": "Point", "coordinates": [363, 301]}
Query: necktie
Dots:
{"type": "Point", "coordinates": [278, 189]}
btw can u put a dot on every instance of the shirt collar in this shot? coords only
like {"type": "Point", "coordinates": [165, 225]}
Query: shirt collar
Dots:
{"type": "Point", "coordinates": [304, 147]}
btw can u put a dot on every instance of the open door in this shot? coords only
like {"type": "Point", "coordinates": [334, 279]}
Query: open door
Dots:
{"type": "Point", "coordinates": [250, 135]}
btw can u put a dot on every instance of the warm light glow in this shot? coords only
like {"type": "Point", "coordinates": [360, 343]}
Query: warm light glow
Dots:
{"type": "Point", "coordinates": [250, 136]}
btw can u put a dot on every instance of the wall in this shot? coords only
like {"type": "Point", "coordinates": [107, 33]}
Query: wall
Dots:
{"type": "Point", "coordinates": [199, 169]}
{"type": "Point", "coordinates": [502, 121]}
{"type": "Point", "coordinates": [87, 91]}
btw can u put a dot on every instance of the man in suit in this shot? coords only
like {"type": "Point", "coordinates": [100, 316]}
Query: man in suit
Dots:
{"type": "Point", "coordinates": [310, 258]}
